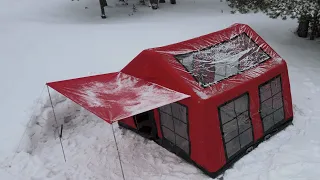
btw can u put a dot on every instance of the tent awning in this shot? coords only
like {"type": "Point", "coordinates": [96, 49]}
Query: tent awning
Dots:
{"type": "Point", "coordinates": [116, 96]}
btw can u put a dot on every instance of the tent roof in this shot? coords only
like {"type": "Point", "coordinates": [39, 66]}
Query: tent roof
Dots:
{"type": "Point", "coordinates": [212, 60]}
{"type": "Point", "coordinates": [116, 96]}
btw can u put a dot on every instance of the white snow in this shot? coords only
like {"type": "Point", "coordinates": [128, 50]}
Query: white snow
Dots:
{"type": "Point", "coordinates": [43, 41]}
{"type": "Point", "coordinates": [90, 96]}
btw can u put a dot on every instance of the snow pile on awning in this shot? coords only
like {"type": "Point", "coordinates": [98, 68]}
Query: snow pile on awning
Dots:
{"type": "Point", "coordinates": [116, 96]}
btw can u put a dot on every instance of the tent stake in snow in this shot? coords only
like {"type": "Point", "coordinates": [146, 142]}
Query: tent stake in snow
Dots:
{"type": "Point", "coordinates": [115, 140]}
{"type": "Point", "coordinates": [55, 118]}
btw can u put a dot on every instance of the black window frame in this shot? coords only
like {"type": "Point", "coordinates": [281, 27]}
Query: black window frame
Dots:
{"type": "Point", "coordinates": [275, 125]}
{"type": "Point", "coordinates": [177, 57]}
{"type": "Point", "coordinates": [174, 145]}
{"type": "Point", "coordinates": [243, 149]}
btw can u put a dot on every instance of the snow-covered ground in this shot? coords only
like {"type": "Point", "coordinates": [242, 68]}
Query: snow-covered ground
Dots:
{"type": "Point", "coordinates": [50, 40]}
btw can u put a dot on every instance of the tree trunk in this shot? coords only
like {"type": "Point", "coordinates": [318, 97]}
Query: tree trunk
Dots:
{"type": "Point", "coordinates": [313, 33]}
{"type": "Point", "coordinates": [318, 31]}
{"type": "Point", "coordinates": [303, 28]}
{"type": "Point", "coordinates": [314, 26]}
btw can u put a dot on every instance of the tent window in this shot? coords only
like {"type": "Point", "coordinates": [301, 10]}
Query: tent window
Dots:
{"type": "Point", "coordinates": [236, 125]}
{"type": "Point", "coordinates": [271, 103]}
{"type": "Point", "coordinates": [218, 62]}
{"type": "Point", "coordinates": [174, 125]}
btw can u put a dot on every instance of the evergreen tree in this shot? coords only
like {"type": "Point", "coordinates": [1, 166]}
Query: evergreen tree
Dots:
{"type": "Point", "coordinates": [306, 11]}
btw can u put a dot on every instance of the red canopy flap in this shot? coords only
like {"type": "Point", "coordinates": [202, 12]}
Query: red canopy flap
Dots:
{"type": "Point", "coordinates": [116, 96]}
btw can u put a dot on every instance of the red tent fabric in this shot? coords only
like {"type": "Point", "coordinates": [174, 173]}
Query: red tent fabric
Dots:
{"type": "Point", "coordinates": [116, 96]}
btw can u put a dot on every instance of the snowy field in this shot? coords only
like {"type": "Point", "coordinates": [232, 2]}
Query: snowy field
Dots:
{"type": "Point", "coordinates": [51, 40]}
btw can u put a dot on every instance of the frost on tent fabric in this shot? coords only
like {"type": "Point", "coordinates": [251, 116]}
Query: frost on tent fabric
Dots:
{"type": "Point", "coordinates": [210, 100]}
{"type": "Point", "coordinates": [221, 61]}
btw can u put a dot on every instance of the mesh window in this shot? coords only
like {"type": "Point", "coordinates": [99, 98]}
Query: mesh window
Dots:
{"type": "Point", "coordinates": [168, 134]}
{"type": "Point", "coordinates": [271, 103]}
{"type": "Point", "coordinates": [213, 64]}
{"type": "Point", "coordinates": [174, 125]}
{"type": "Point", "coordinates": [236, 125]}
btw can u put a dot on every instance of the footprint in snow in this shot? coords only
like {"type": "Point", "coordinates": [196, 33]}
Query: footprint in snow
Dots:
{"type": "Point", "coordinates": [296, 109]}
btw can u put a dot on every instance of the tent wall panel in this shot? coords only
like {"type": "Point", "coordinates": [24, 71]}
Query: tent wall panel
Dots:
{"type": "Point", "coordinates": [196, 127]}
{"type": "Point", "coordinates": [219, 154]}
{"type": "Point", "coordinates": [174, 122]}
{"type": "Point", "coordinates": [236, 125]}
{"type": "Point", "coordinates": [286, 92]}
{"type": "Point", "coordinates": [254, 108]}
{"type": "Point", "coordinates": [157, 119]}
{"type": "Point", "coordinates": [213, 140]}
{"type": "Point", "coordinates": [197, 119]}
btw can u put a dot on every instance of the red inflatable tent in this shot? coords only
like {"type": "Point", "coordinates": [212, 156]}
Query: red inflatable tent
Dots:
{"type": "Point", "coordinates": [210, 99]}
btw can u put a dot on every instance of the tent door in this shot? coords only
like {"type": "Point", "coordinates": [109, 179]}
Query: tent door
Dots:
{"type": "Point", "coordinates": [146, 125]}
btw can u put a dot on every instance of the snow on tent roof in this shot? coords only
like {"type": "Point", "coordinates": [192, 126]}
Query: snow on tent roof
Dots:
{"type": "Point", "coordinates": [116, 96]}
{"type": "Point", "coordinates": [215, 63]}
